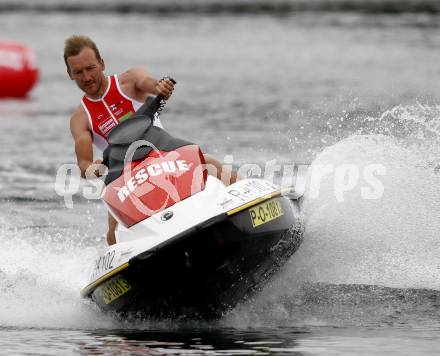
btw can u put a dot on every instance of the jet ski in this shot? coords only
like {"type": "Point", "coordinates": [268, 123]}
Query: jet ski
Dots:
{"type": "Point", "coordinates": [187, 245]}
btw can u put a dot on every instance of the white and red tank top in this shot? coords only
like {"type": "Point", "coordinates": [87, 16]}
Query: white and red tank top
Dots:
{"type": "Point", "coordinates": [108, 111]}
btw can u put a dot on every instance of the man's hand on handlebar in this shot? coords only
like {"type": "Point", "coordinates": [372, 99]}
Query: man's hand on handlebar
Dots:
{"type": "Point", "coordinates": [95, 170]}
{"type": "Point", "coordinates": [165, 87]}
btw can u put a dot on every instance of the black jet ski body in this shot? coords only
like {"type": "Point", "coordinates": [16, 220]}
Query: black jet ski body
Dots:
{"type": "Point", "coordinates": [187, 245]}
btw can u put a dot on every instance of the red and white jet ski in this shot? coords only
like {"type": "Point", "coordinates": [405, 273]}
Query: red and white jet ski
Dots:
{"type": "Point", "coordinates": [187, 245]}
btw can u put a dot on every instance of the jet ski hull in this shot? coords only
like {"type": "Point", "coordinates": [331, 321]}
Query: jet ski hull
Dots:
{"type": "Point", "coordinates": [207, 270]}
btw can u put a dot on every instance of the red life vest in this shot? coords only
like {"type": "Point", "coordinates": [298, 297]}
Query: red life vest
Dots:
{"type": "Point", "coordinates": [108, 111]}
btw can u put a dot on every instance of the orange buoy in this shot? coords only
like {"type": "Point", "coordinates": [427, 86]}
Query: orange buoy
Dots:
{"type": "Point", "coordinates": [18, 72]}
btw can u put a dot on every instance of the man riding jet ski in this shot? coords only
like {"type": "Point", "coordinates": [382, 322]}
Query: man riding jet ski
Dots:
{"type": "Point", "coordinates": [108, 101]}
{"type": "Point", "coordinates": [186, 244]}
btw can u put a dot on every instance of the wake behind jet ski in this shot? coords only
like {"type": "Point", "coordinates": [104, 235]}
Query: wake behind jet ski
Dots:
{"type": "Point", "coordinates": [187, 245]}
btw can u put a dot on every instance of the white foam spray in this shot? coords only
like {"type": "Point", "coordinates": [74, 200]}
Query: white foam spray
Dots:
{"type": "Point", "coordinates": [40, 284]}
{"type": "Point", "coordinates": [391, 241]}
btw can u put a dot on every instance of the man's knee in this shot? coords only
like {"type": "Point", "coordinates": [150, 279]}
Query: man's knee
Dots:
{"type": "Point", "coordinates": [212, 166]}
{"type": "Point", "coordinates": [112, 224]}
{"type": "Point", "coordinates": [215, 168]}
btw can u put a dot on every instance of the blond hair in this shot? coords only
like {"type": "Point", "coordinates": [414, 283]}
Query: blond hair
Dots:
{"type": "Point", "coordinates": [75, 44]}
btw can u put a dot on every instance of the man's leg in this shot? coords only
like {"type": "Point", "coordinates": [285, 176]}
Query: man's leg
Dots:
{"type": "Point", "coordinates": [225, 174]}
{"type": "Point", "coordinates": [112, 223]}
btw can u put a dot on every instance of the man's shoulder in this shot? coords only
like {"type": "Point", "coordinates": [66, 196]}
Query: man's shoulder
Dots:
{"type": "Point", "coordinates": [79, 116]}
{"type": "Point", "coordinates": [131, 75]}
{"type": "Point", "coordinates": [78, 112]}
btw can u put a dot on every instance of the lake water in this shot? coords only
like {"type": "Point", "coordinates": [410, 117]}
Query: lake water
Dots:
{"type": "Point", "coordinates": [350, 85]}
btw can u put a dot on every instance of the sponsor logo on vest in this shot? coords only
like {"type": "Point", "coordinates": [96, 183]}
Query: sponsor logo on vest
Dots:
{"type": "Point", "coordinates": [106, 126]}
{"type": "Point", "coordinates": [152, 170]}
{"type": "Point", "coordinates": [113, 107]}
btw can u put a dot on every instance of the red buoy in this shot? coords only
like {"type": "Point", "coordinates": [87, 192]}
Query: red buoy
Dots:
{"type": "Point", "coordinates": [18, 72]}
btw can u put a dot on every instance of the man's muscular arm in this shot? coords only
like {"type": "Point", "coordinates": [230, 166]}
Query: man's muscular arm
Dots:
{"type": "Point", "coordinates": [145, 84]}
{"type": "Point", "coordinates": [82, 136]}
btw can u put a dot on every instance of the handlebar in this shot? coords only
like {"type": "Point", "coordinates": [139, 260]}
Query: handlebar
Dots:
{"type": "Point", "coordinates": [152, 105]}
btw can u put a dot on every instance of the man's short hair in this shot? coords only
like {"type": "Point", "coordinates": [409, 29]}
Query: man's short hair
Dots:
{"type": "Point", "coordinates": [75, 44]}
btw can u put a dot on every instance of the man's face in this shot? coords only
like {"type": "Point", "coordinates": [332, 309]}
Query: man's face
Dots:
{"type": "Point", "coordinates": [87, 71]}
